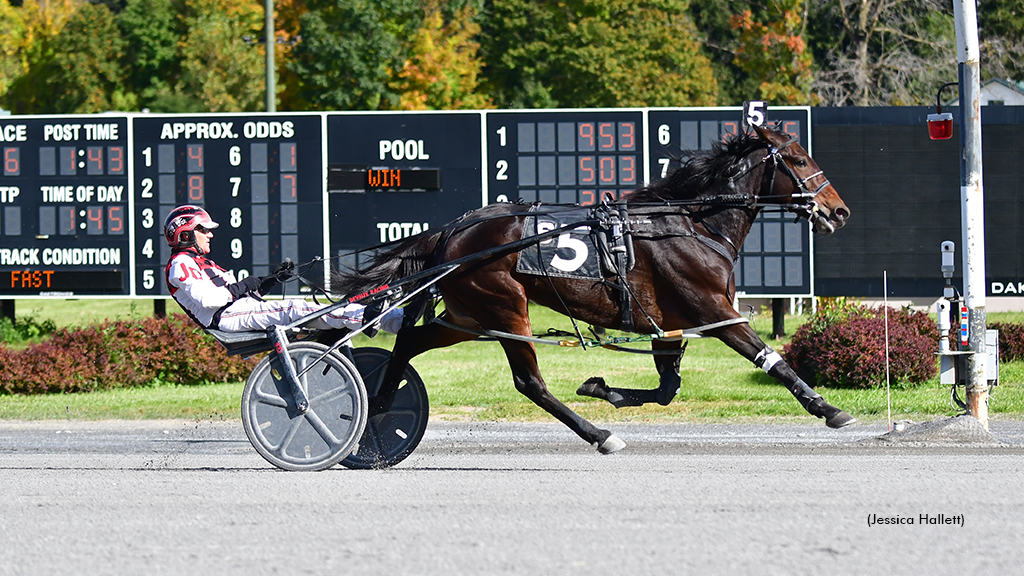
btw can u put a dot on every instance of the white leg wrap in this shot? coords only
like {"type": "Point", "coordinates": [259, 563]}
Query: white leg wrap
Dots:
{"type": "Point", "coordinates": [766, 359]}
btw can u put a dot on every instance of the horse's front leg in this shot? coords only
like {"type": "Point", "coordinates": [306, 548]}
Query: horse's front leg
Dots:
{"type": "Point", "coordinates": [668, 373]}
{"type": "Point", "coordinates": [742, 339]}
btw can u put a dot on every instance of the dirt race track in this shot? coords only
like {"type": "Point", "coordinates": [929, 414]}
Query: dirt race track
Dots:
{"type": "Point", "coordinates": [507, 498]}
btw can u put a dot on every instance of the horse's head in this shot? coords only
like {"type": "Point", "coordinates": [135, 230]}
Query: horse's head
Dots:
{"type": "Point", "coordinates": [798, 182]}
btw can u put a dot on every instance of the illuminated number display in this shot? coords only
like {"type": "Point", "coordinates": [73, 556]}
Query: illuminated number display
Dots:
{"type": "Point", "coordinates": [194, 157]}
{"type": "Point", "coordinates": [69, 160]}
{"type": "Point", "coordinates": [64, 196]}
{"type": "Point", "coordinates": [565, 157]}
{"type": "Point", "coordinates": [94, 160]}
{"type": "Point", "coordinates": [288, 158]}
{"type": "Point", "coordinates": [703, 134]}
{"type": "Point", "coordinates": [775, 259]}
{"type": "Point", "coordinates": [289, 187]}
{"type": "Point", "coordinates": [244, 170]}
{"type": "Point", "coordinates": [115, 160]}
{"type": "Point", "coordinates": [115, 220]}
{"type": "Point", "coordinates": [195, 189]}
{"type": "Point", "coordinates": [67, 220]}
{"type": "Point", "coordinates": [94, 220]}
{"type": "Point", "coordinates": [12, 161]}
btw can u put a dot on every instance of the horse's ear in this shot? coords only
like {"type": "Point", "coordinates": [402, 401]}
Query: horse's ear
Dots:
{"type": "Point", "coordinates": [770, 137]}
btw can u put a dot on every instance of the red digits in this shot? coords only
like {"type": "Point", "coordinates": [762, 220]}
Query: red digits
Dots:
{"type": "Point", "coordinates": [115, 160]}
{"type": "Point", "coordinates": [195, 188]}
{"type": "Point", "coordinates": [115, 224]}
{"type": "Point", "coordinates": [587, 172]}
{"type": "Point", "coordinates": [627, 170]}
{"type": "Point", "coordinates": [587, 133]}
{"type": "Point", "coordinates": [606, 131]}
{"type": "Point", "coordinates": [626, 141]}
{"type": "Point", "coordinates": [607, 170]}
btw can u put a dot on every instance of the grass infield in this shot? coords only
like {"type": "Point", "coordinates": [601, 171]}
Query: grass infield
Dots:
{"type": "Point", "coordinates": [472, 381]}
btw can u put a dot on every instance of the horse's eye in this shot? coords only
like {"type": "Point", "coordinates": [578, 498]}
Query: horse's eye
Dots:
{"type": "Point", "coordinates": [801, 163]}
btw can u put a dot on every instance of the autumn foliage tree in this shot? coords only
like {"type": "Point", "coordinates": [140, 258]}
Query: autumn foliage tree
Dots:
{"type": "Point", "coordinates": [442, 70]}
{"type": "Point", "coordinates": [218, 68]}
{"type": "Point", "coordinates": [551, 53]}
{"type": "Point", "coordinates": [351, 51]}
{"type": "Point", "coordinates": [79, 71]}
{"type": "Point", "coordinates": [77, 56]}
{"type": "Point", "coordinates": [27, 30]}
{"type": "Point", "coordinates": [775, 53]}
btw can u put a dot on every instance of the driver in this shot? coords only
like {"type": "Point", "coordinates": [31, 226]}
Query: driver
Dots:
{"type": "Point", "coordinates": [210, 295]}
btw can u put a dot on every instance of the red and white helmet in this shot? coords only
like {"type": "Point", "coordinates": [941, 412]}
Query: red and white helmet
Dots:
{"type": "Point", "coordinates": [181, 223]}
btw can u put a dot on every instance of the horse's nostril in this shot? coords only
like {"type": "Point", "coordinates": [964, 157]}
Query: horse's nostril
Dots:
{"type": "Point", "coordinates": [841, 213]}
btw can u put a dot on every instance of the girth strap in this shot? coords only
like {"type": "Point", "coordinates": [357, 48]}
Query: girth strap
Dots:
{"type": "Point", "coordinates": [714, 246]}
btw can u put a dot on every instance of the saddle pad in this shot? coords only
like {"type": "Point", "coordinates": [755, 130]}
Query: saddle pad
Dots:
{"type": "Point", "coordinates": [571, 254]}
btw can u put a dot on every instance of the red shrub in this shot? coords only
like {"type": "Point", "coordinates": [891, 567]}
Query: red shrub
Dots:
{"type": "Point", "coordinates": [119, 354]}
{"type": "Point", "coordinates": [848, 350]}
{"type": "Point", "coordinates": [1011, 340]}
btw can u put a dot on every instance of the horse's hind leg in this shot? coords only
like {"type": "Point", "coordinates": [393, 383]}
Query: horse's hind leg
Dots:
{"type": "Point", "coordinates": [411, 342]}
{"type": "Point", "coordinates": [522, 358]}
{"type": "Point", "coordinates": [743, 339]}
{"type": "Point", "coordinates": [668, 374]}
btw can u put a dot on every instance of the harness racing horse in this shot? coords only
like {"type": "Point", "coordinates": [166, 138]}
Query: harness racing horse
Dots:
{"type": "Point", "coordinates": [686, 230]}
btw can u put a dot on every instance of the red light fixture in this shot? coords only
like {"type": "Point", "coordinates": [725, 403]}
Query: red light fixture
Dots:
{"type": "Point", "coordinates": [940, 124]}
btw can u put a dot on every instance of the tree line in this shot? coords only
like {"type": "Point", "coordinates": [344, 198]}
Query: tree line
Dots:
{"type": "Point", "coordinates": [89, 56]}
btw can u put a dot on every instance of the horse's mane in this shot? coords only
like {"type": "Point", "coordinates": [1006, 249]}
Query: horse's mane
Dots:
{"type": "Point", "coordinates": [702, 172]}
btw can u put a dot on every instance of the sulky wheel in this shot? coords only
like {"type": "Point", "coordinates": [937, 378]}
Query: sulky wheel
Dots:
{"type": "Point", "coordinates": [393, 435]}
{"type": "Point", "coordinates": [326, 432]}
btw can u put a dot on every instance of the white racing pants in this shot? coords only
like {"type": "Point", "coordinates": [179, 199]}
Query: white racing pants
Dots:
{"type": "Point", "coordinates": [250, 314]}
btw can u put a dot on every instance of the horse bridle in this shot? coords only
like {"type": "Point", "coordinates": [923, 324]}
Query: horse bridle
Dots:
{"type": "Point", "coordinates": [808, 208]}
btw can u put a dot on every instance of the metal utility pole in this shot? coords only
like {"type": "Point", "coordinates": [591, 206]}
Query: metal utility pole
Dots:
{"type": "Point", "coordinates": [268, 7]}
{"type": "Point", "coordinates": [972, 198]}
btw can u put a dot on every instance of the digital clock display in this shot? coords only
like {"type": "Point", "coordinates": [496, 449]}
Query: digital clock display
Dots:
{"type": "Point", "coordinates": [64, 195]}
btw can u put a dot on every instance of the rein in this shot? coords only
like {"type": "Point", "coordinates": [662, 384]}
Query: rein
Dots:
{"type": "Point", "coordinates": [606, 343]}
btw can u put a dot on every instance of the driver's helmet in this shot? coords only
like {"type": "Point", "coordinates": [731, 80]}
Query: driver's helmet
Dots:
{"type": "Point", "coordinates": [181, 223]}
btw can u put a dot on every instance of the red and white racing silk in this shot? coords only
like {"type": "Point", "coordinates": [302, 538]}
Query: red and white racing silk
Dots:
{"type": "Point", "coordinates": [198, 285]}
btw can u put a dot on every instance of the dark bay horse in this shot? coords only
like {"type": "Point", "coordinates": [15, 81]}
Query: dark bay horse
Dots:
{"type": "Point", "coordinates": [688, 228]}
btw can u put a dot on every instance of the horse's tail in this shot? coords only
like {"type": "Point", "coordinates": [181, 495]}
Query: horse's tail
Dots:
{"type": "Point", "coordinates": [408, 257]}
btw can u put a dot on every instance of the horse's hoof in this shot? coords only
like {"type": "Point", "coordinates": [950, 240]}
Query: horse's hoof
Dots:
{"type": "Point", "coordinates": [594, 388]}
{"type": "Point", "coordinates": [665, 396]}
{"type": "Point", "coordinates": [611, 445]}
{"type": "Point", "coordinates": [839, 420]}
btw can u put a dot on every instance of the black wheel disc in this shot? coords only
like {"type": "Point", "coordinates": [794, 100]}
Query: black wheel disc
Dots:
{"type": "Point", "coordinates": [389, 437]}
